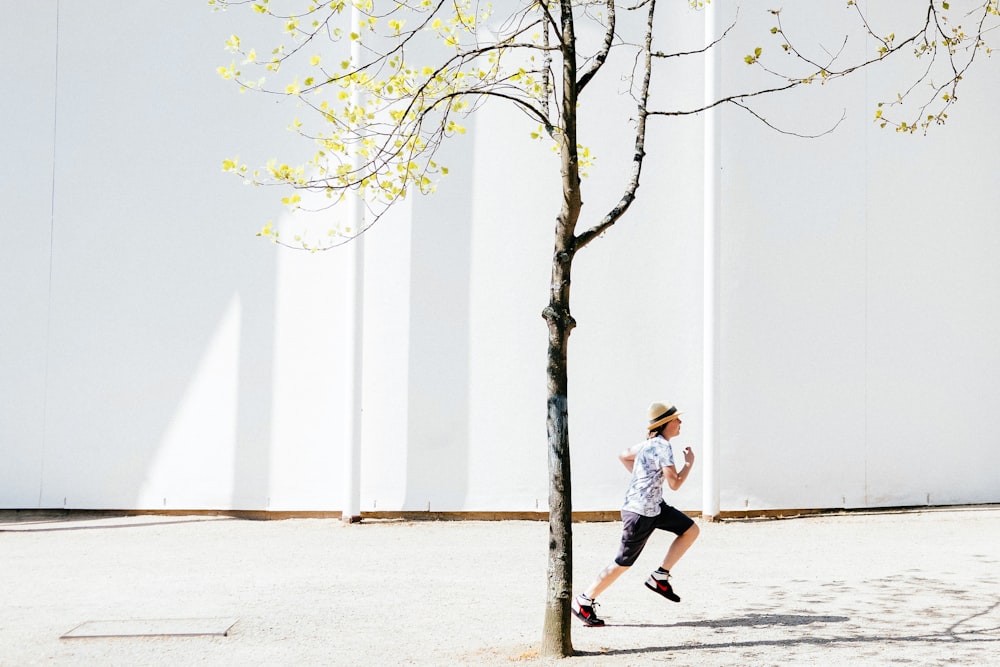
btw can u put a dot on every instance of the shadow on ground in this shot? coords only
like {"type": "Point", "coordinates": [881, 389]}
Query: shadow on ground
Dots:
{"type": "Point", "coordinates": [965, 631]}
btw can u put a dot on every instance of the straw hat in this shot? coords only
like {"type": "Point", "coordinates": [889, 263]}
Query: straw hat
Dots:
{"type": "Point", "coordinates": [660, 414]}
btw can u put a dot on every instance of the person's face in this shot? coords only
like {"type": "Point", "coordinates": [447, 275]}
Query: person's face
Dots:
{"type": "Point", "coordinates": [672, 429]}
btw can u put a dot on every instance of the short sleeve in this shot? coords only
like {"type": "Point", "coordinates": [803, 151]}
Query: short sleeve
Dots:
{"type": "Point", "coordinates": [666, 454]}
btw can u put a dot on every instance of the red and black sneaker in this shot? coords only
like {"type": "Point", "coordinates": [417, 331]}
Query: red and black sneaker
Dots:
{"type": "Point", "coordinates": [583, 609]}
{"type": "Point", "coordinates": [662, 586]}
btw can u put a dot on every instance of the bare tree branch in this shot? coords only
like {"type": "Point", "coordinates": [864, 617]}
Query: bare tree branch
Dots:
{"type": "Point", "coordinates": [774, 127]}
{"type": "Point", "coordinates": [638, 153]}
{"type": "Point", "coordinates": [602, 55]}
{"type": "Point", "coordinates": [704, 49]}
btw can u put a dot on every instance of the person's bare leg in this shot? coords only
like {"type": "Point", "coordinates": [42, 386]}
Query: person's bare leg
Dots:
{"type": "Point", "coordinates": [607, 577]}
{"type": "Point", "coordinates": [680, 545]}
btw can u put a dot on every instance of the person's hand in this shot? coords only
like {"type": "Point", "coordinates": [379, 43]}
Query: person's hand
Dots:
{"type": "Point", "coordinates": [688, 457]}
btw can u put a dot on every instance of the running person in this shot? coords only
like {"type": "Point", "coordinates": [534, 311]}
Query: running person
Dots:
{"type": "Point", "coordinates": [651, 462]}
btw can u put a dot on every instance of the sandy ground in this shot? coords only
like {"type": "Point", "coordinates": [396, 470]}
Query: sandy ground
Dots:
{"type": "Point", "coordinates": [915, 588]}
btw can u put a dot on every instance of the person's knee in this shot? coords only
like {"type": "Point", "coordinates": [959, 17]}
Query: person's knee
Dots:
{"type": "Point", "coordinates": [692, 532]}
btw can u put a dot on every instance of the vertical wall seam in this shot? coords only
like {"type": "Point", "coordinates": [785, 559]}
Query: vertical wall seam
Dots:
{"type": "Point", "coordinates": [711, 346]}
{"type": "Point", "coordinates": [867, 278]}
{"type": "Point", "coordinates": [52, 232]}
{"type": "Point", "coordinates": [351, 500]}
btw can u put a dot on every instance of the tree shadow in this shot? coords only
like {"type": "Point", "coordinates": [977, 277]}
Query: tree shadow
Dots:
{"type": "Point", "coordinates": [57, 520]}
{"type": "Point", "coordinates": [748, 621]}
{"type": "Point", "coordinates": [955, 633]}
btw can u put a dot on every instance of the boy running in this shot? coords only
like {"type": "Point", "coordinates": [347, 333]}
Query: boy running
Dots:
{"type": "Point", "coordinates": [651, 462]}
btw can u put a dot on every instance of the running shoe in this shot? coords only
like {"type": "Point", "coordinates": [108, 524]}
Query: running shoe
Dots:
{"type": "Point", "coordinates": [663, 587]}
{"type": "Point", "coordinates": [586, 612]}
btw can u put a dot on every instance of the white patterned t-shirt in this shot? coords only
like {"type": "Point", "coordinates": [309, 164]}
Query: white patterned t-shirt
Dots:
{"type": "Point", "coordinates": [645, 492]}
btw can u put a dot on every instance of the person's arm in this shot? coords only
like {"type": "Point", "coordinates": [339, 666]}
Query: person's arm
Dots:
{"type": "Point", "coordinates": [627, 457]}
{"type": "Point", "coordinates": [676, 477]}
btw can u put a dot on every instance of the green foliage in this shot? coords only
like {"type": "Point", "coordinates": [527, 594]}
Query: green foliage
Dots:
{"type": "Point", "coordinates": [379, 88]}
{"type": "Point", "coordinates": [380, 84]}
{"type": "Point", "coordinates": [941, 42]}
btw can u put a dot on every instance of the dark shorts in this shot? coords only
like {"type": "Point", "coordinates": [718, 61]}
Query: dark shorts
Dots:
{"type": "Point", "coordinates": [637, 528]}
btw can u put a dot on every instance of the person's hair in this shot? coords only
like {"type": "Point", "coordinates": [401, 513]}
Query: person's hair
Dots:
{"type": "Point", "coordinates": [658, 430]}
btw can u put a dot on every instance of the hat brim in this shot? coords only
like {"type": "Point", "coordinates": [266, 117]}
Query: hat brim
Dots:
{"type": "Point", "coordinates": [657, 424]}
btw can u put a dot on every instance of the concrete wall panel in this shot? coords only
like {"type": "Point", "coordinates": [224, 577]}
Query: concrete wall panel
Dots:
{"type": "Point", "coordinates": [157, 355]}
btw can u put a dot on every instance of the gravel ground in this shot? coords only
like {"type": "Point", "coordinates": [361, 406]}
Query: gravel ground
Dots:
{"type": "Point", "coordinates": [908, 588]}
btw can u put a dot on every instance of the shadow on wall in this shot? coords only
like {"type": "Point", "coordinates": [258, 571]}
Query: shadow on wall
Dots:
{"type": "Point", "coordinates": [160, 386]}
{"type": "Point", "coordinates": [162, 302]}
{"type": "Point", "coordinates": [437, 475]}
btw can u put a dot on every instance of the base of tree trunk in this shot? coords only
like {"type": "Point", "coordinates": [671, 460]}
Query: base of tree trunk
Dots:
{"type": "Point", "coordinates": [556, 639]}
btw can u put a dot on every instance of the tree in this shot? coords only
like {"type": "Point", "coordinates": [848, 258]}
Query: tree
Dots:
{"type": "Point", "coordinates": [376, 118]}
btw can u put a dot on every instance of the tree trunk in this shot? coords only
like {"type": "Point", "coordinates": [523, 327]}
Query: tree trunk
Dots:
{"type": "Point", "coordinates": [556, 637]}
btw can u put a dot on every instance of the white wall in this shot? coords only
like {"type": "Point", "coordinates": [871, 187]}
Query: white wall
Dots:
{"type": "Point", "coordinates": [140, 370]}
{"type": "Point", "coordinates": [158, 355]}
{"type": "Point", "coordinates": [26, 144]}
{"type": "Point", "coordinates": [859, 360]}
